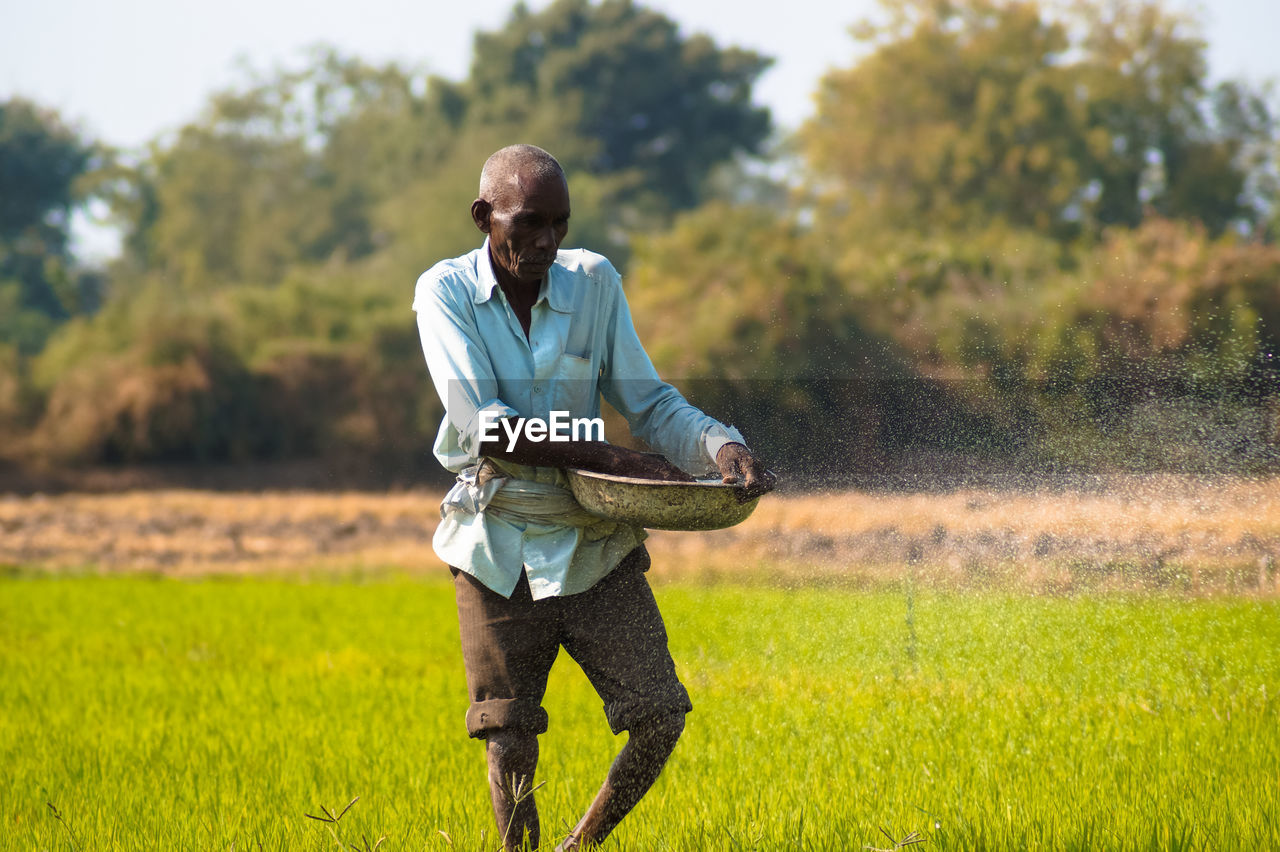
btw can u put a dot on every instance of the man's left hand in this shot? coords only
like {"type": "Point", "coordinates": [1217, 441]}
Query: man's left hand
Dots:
{"type": "Point", "coordinates": [739, 467]}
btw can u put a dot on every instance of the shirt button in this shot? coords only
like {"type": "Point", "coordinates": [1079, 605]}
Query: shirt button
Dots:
{"type": "Point", "coordinates": [537, 388]}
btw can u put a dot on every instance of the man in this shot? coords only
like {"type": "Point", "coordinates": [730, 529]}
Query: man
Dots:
{"type": "Point", "coordinates": [513, 332]}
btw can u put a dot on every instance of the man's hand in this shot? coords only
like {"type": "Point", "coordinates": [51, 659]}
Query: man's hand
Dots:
{"type": "Point", "coordinates": [739, 467]}
{"type": "Point", "coordinates": [598, 456]}
{"type": "Point", "coordinates": [650, 466]}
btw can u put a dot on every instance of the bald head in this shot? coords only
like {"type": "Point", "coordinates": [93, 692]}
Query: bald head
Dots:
{"type": "Point", "coordinates": [523, 209]}
{"type": "Point", "coordinates": [514, 166]}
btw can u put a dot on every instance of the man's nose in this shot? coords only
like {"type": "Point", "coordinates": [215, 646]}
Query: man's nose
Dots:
{"type": "Point", "coordinates": [546, 238]}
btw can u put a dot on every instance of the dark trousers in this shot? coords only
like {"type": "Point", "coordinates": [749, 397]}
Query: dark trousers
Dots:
{"type": "Point", "coordinates": [613, 631]}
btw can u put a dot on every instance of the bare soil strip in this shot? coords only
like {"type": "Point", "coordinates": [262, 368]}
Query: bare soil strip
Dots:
{"type": "Point", "coordinates": [1186, 534]}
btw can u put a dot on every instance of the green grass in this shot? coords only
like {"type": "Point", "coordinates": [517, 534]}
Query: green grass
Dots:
{"type": "Point", "coordinates": [215, 714]}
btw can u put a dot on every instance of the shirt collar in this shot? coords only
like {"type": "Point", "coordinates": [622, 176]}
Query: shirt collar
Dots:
{"type": "Point", "coordinates": [486, 281]}
{"type": "Point", "coordinates": [556, 288]}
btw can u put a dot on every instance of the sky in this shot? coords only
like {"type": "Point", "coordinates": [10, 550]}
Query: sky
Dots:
{"type": "Point", "coordinates": [125, 71]}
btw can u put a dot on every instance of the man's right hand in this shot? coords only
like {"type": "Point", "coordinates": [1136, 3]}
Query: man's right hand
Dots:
{"type": "Point", "coordinates": [597, 456]}
{"type": "Point", "coordinates": [649, 466]}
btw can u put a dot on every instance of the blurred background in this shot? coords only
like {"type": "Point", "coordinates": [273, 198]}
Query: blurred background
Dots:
{"type": "Point", "coordinates": [930, 237]}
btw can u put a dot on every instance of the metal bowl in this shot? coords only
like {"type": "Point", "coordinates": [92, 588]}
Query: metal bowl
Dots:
{"type": "Point", "coordinates": [701, 505]}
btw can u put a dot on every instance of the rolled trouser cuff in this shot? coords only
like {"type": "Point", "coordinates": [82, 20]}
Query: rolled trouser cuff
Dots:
{"type": "Point", "coordinates": [506, 714]}
{"type": "Point", "coordinates": [629, 714]}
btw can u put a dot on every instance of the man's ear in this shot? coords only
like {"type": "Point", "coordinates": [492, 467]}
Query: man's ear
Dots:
{"type": "Point", "coordinates": [481, 210]}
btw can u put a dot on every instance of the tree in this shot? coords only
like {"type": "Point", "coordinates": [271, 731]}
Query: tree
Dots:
{"type": "Point", "coordinates": [638, 114]}
{"type": "Point", "coordinates": [645, 101]}
{"type": "Point", "coordinates": [281, 232]}
{"type": "Point", "coordinates": [271, 176]}
{"type": "Point", "coordinates": [344, 159]}
{"type": "Point", "coordinates": [995, 110]}
{"type": "Point", "coordinates": [1164, 310]}
{"type": "Point", "coordinates": [739, 308]}
{"type": "Point", "coordinates": [42, 162]}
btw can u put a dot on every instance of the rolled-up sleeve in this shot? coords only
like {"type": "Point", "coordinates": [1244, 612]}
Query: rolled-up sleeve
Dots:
{"type": "Point", "coordinates": [657, 413]}
{"type": "Point", "coordinates": [460, 367]}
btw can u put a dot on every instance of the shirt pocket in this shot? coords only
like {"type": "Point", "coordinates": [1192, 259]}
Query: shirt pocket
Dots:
{"type": "Point", "coordinates": [576, 387]}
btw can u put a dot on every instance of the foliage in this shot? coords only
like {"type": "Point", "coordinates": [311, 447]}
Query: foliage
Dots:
{"type": "Point", "coordinates": [344, 365]}
{"type": "Point", "coordinates": [1167, 310]}
{"type": "Point", "coordinates": [1015, 226]}
{"type": "Point", "coordinates": [1163, 352]}
{"type": "Point", "coordinates": [1000, 111]}
{"type": "Point", "coordinates": [320, 364]}
{"type": "Point", "coordinates": [1033, 199]}
{"type": "Point", "coordinates": [15, 405]}
{"type": "Point", "coordinates": [637, 113]}
{"type": "Point", "coordinates": [1063, 347]}
{"type": "Point", "coordinates": [738, 293]}
{"type": "Point", "coordinates": [649, 105]}
{"type": "Point", "coordinates": [262, 307]}
{"type": "Point", "coordinates": [741, 309]}
{"type": "Point", "coordinates": [42, 164]}
{"type": "Point", "coordinates": [270, 177]}
{"type": "Point", "coordinates": [162, 383]}
{"type": "Point", "coordinates": [340, 159]}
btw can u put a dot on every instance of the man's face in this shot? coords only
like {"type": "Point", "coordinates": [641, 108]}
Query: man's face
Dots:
{"type": "Point", "coordinates": [526, 224]}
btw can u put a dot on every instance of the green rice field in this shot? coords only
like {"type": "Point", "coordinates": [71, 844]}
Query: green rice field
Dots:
{"type": "Point", "coordinates": [216, 714]}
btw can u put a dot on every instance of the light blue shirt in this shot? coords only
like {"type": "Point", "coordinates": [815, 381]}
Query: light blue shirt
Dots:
{"type": "Point", "coordinates": [581, 344]}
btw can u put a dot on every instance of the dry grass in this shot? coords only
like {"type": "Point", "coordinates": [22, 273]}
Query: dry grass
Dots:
{"type": "Point", "coordinates": [1194, 534]}
{"type": "Point", "coordinates": [1188, 534]}
{"type": "Point", "coordinates": [199, 531]}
